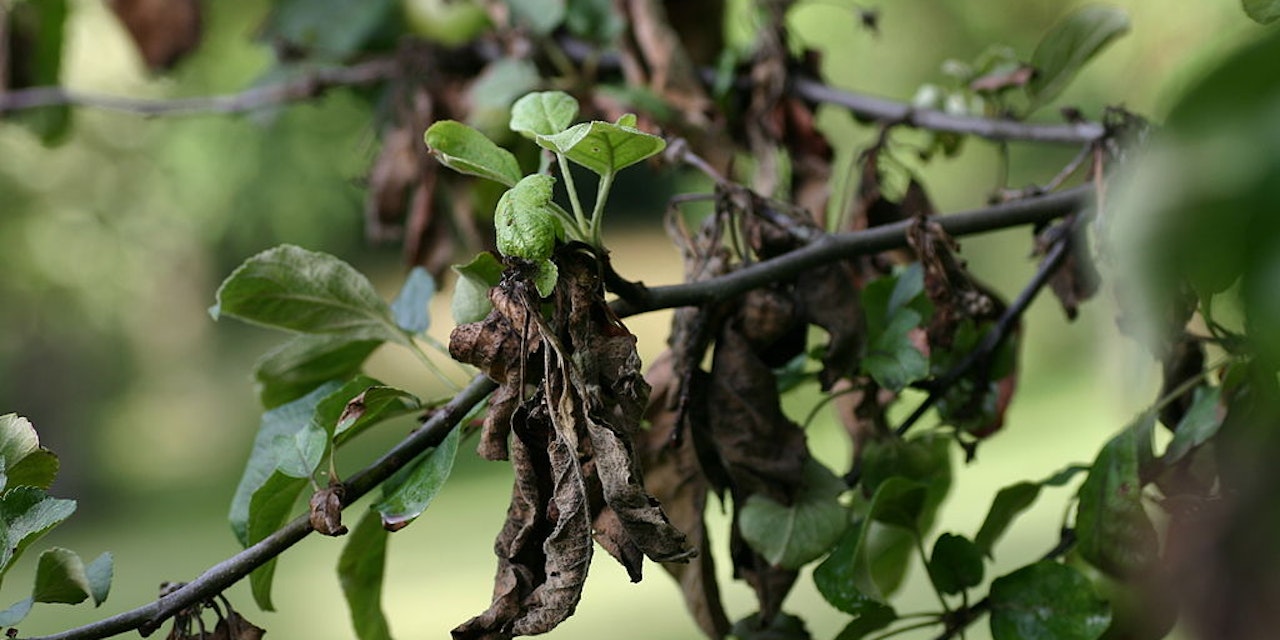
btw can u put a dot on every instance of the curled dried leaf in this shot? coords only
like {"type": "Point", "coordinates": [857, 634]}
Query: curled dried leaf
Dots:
{"type": "Point", "coordinates": [326, 511]}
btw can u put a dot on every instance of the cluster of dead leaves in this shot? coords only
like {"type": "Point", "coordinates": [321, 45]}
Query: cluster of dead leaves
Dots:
{"type": "Point", "coordinates": [566, 414]}
{"type": "Point", "coordinates": [189, 623]}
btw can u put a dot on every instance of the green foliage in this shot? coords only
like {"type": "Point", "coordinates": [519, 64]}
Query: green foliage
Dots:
{"type": "Point", "coordinates": [468, 151]}
{"type": "Point", "coordinates": [25, 462]}
{"type": "Point", "coordinates": [1197, 426]}
{"type": "Point", "coordinates": [470, 301]}
{"type": "Point", "coordinates": [328, 30]}
{"type": "Point", "coordinates": [408, 493]}
{"type": "Point", "coordinates": [892, 305]}
{"type": "Point", "coordinates": [360, 571]}
{"type": "Point", "coordinates": [604, 148]}
{"type": "Point", "coordinates": [956, 564]}
{"type": "Point", "coordinates": [1069, 45]}
{"type": "Point", "coordinates": [1262, 11]}
{"type": "Point", "coordinates": [1046, 601]}
{"type": "Point", "coordinates": [791, 536]}
{"type": "Point", "coordinates": [1012, 501]}
{"type": "Point", "coordinates": [305, 362]}
{"type": "Point", "coordinates": [543, 113]}
{"type": "Point", "coordinates": [527, 221]}
{"type": "Point", "coordinates": [1114, 531]}
{"type": "Point", "coordinates": [42, 25]}
{"type": "Point", "coordinates": [410, 307]}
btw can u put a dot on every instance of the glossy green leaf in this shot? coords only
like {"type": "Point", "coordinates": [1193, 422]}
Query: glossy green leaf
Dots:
{"type": "Point", "coordinates": [470, 301]}
{"type": "Point", "coordinates": [1046, 601]}
{"type": "Point", "coordinates": [1070, 44]}
{"type": "Point", "coordinates": [100, 572]}
{"type": "Point", "coordinates": [23, 462]}
{"type": "Point", "coordinates": [287, 419]}
{"type": "Point", "coordinates": [15, 613]}
{"type": "Point", "coordinates": [783, 626]}
{"type": "Point", "coordinates": [840, 582]}
{"type": "Point", "coordinates": [410, 306]}
{"type": "Point", "coordinates": [874, 619]}
{"type": "Point", "coordinates": [298, 454]}
{"type": "Point", "coordinates": [360, 572]}
{"type": "Point", "coordinates": [955, 564]}
{"type": "Point", "coordinates": [540, 17]}
{"type": "Point", "coordinates": [1262, 11]}
{"type": "Point", "coordinates": [332, 30]}
{"type": "Point", "coordinates": [543, 113]}
{"type": "Point", "coordinates": [305, 362]}
{"type": "Point", "coordinates": [1113, 531]}
{"type": "Point", "coordinates": [410, 491]}
{"type": "Point", "coordinates": [468, 151]}
{"type": "Point", "coordinates": [26, 514]}
{"type": "Point", "coordinates": [791, 536]}
{"type": "Point", "coordinates": [374, 405]}
{"type": "Point", "coordinates": [526, 221]}
{"type": "Point", "coordinates": [60, 577]}
{"type": "Point", "coordinates": [294, 289]}
{"type": "Point", "coordinates": [42, 27]}
{"type": "Point", "coordinates": [1011, 501]}
{"type": "Point", "coordinates": [1199, 424]}
{"type": "Point", "coordinates": [604, 148]}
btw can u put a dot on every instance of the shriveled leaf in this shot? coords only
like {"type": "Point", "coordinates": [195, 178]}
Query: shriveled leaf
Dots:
{"type": "Point", "coordinates": [956, 564]}
{"type": "Point", "coordinates": [305, 362]}
{"type": "Point", "coordinates": [410, 306]}
{"type": "Point", "coordinates": [60, 577]}
{"type": "Point", "coordinates": [374, 405]}
{"type": "Point", "coordinates": [326, 511]}
{"type": "Point", "coordinates": [298, 454]}
{"type": "Point", "coordinates": [468, 151]}
{"type": "Point", "coordinates": [235, 627]}
{"type": "Point", "coordinates": [792, 536]}
{"type": "Point", "coordinates": [1198, 425]}
{"type": "Point", "coordinates": [1113, 531]}
{"type": "Point", "coordinates": [287, 419]}
{"type": "Point", "coordinates": [1262, 11]}
{"type": "Point", "coordinates": [526, 221]}
{"type": "Point", "coordinates": [23, 462]}
{"type": "Point", "coordinates": [470, 301]}
{"type": "Point", "coordinates": [294, 289]}
{"type": "Point", "coordinates": [163, 30]}
{"type": "Point", "coordinates": [15, 613]}
{"type": "Point", "coordinates": [408, 493]}
{"type": "Point", "coordinates": [27, 513]}
{"type": "Point", "coordinates": [360, 572]}
{"type": "Point", "coordinates": [541, 17]}
{"type": "Point", "coordinates": [1070, 44]}
{"type": "Point", "coordinates": [1046, 601]}
{"type": "Point", "coordinates": [604, 148]}
{"type": "Point", "coordinates": [874, 619]}
{"type": "Point", "coordinates": [100, 572]}
{"type": "Point", "coordinates": [333, 30]}
{"type": "Point", "coordinates": [543, 113]}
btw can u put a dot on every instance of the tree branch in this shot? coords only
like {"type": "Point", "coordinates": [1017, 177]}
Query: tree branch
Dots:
{"type": "Point", "coordinates": [306, 87]}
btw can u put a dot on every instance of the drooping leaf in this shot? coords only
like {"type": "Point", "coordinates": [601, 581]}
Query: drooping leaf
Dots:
{"type": "Point", "coordinates": [792, 536]}
{"type": "Point", "coordinates": [100, 572]}
{"type": "Point", "coordinates": [60, 577]}
{"type": "Point", "coordinates": [1113, 531]}
{"type": "Point", "coordinates": [332, 30]}
{"type": "Point", "coordinates": [269, 508]}
{"type": "Point", "coordinates": [543, 113]}
{"type": "Point", "coordinates": [15, 613]}
{"type": "Point", "coordinates": [298, 366]}
{"type": "Point", "coordinates": [1199, 424]}
{"type": "Point", "coordinates": [604, 148]}
{"type": "Point", "coordinates": [956, 564]}
{"type": "Point", "coordinates": [526, 221]}
{"type": "Point", "coordinates": [1046, 601]}
{"type": "Point", "coordinates": [541, 17]}
{"type": "Point", "coordinates": [875, 618]}
{"type": "Point", "coordinates": [294, 289]}
{"type": "Point", "coordinates": [410, 306]}
{"type": "Point", "coordinates": [1262, 11]}
{"type": "Point", "coordinates": [1070, 44]}
{"type": "Point", "coordinates": [470, 301]}
{"type": "Point", "coordinates": [299, 453]}
{"type": "Point", "coordinates": [360, 571]}
{"type": "Point", "coordinates": [408, 493]}
{"type": "Point", "coordinates": [27, 513]}
{"type": "Point", "coordinates": [23, 462]}
{"type": "Point", "coordinates": [373, 405]}
{"type": "Point", "coordinates": [1007, 505]}
{"type": "Point", "coordinates": [468, 151]}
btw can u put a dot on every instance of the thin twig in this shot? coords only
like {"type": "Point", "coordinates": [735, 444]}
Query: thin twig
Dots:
{"type": "Point", "coordinates": [306, 87]}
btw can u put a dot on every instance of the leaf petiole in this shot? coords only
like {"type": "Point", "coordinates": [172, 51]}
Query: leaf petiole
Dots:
{"type": "Point", "coordinates": [584, 228]}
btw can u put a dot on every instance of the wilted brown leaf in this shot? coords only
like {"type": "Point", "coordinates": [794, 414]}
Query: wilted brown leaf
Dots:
{"type": "Point", "coordinates": [1077, 279]}
{"type": "Point", "coordinates": [163, 30]}
{"type": "Point", "coordinates": [326, 511]}
{"type": "Point", "coordinates": [235, 627]}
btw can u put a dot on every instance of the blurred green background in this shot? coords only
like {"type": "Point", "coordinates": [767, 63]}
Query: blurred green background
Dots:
{"type": "Point", "coordinates": [113, 243]}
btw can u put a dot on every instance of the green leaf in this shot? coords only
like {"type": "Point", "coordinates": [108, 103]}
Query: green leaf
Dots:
{"type": "Point", "coordinates": [360, 571]}
{"type": "Point", "coordinates": [333, 30]}
{"type": "Point", "coordinates": [23, 462]}
{"type": "Point", "coordinates": [595, 20]}
{"type": "Point", "coordinates": [792, 536]}
{"type": "Point", "coordinates": [1069, 45]}
{"type": "Point", "coordinates": [955, 564]}
{"type": "Point", "coordinates": [287, 419]}
{"type": "Point", "coordinates": [374, 405]}
{"type": "Point", "coordinates": [60, 577]}
{"type": "Point", "coordinates": [269, 508]}
{"type": "Point", "coordinates": [26, 514]}
{"type": "Point", "coordinates": [602, 147]}
{"type": "Point", "coordinates": [1112, 529]}
{"type": "Point", "coordinates": [1199, 424]}
{"type": "Point", "coordinates": [468, 151]}
{"type": "Point", "coordinates": [298, 454]}
{"type": "Point", "coordinates": [14, 614]}
{"type": "Point", "coordinates": [545, 279]}
{"type": "Point", "coordinates": [526, 221]}
{"type": "Point", "coordinates": [42, 27]}
{"type": "Point", "coordinates": [305, 362]}
{"type": "Point", "coordinates": [543, 113]}
{"type": "Point", "coordinates": [783, 626]}
{"type": "Point", "coordinates": [1262, 11]}
{"type": "Point", "coordinates": [541, 17]}
{"type": "Point", "coordinates": [874, 619]}
{"type": "Point", "coordinates": [471, 292]}
{"type": "Point", "coordinates": [892, 359]}
{"type": "Point", "coordinates": [100, 572]}
{"type": "Point", "coordinates": [1046, 601]}
{"type": "Point", "coordinates": [840, 582]}
{"type": "Point", "coordinates": [501, 83]}
{"type": "Point", "coordinates": [899, 502]}
{"type": "Point", "coordinates": [410, 306]}
{"type": "Point", "coordinates": [1007, 505]}
{"type": "Point", "coordinates": [410, 491]}
{"type": "Point", "coordinates": [309, 292]}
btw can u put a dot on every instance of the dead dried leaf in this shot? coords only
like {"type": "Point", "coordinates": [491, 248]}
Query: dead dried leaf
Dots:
{"type": "Point", "coordinates": [326, 511]}
{"type": "Point", "coordinates": [164, 30]}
